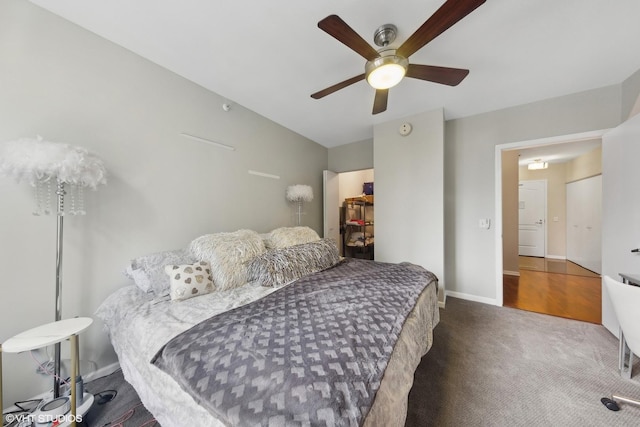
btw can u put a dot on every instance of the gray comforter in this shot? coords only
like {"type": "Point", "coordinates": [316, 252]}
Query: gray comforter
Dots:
{"type": "Point", "coordinates": [312, 353]}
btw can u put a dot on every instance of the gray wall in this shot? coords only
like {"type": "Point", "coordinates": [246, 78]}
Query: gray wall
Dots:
{"type": "Point", "coordinates": [470, 174]}
{"type": "Point", "coordinates": [68, 85]}
{"type": "Point", "coordinates": [469, 171]}
{"type": "Point", "coordinates": [351, 157]}
{"type": "Point", "coordinates": [409, 224]}
{"type": "Point", "coordinates": [510, 195]}
{"type": "Point", "coordinates": [620, 207]}
{"type": "Point", "coordinates": [630, 89]}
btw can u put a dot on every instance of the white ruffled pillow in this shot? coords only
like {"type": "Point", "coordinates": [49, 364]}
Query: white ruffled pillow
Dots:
{"type": "Point", "coordinates": [228, 253]}
{"type": "Point", "coordinates": [288, 236]}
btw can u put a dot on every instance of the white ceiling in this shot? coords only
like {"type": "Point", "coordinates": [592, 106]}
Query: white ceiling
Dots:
{"type": "Point", "coordinates": [269, 56]}
{"type": "Point", "coordinates": [558, 153]}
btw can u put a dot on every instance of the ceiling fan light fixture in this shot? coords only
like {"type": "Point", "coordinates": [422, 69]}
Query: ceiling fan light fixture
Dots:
{"type": "Point", "coordinates": [385, 72]}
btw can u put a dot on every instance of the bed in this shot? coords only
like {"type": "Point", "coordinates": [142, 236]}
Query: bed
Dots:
{"type": "Point", "coordinates": [334, 305]}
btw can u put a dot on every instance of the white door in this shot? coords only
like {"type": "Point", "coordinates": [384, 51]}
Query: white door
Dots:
{"type": "Point", "coordinates": [620, 208]}
{"type": "Point", "coordinates": [574, 229]}
{"type": "Point", "coordinates": [532, 203]}
{"type": "Point", "coordinates": [584, 204]}
{"type": "Point", "coordinates": [593, 226]}
{"type": "Point", "coordinates": [330, 203]}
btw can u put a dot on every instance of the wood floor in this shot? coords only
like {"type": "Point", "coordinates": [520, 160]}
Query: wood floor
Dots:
{"type": "Point", "coordinates": [553, 266]}
{"type": "Point", "coordinates": [574, 296]}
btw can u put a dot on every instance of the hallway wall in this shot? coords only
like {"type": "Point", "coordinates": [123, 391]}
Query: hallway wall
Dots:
{"type": "Point", "coordinates": [510, 212]}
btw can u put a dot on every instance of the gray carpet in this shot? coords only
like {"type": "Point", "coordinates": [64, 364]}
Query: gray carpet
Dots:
{"type": "Point", "coordinates": [489, 366]}
{"type": "Point", "coordinates": [497, 366]}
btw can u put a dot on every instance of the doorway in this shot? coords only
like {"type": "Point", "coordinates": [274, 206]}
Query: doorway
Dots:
{"type": "Point", "coordinates": [542, 280]}
{"type": "Point", "coordinates": [548, 281]}
{"type": "Point", "coordinates": [337, 188]}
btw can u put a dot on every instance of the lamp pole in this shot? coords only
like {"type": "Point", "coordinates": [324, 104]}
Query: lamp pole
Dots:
{"type": "Point", "coordinates": [59, 229]}
{"type": "Point", "coordinates": [299, 212]}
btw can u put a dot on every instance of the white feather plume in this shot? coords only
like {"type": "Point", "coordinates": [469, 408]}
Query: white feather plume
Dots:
{"type": "Point", "coordinates": [39, 160]}
{"type": "Point", "coordinates": [298, 193]}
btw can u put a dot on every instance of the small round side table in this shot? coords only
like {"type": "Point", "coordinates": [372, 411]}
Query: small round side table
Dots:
{"type": "Point", "coordinates": [46, 335]}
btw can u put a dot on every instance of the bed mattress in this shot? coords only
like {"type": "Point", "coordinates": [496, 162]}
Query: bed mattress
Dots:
{"type": "Point", "coordinates": [140, 324]}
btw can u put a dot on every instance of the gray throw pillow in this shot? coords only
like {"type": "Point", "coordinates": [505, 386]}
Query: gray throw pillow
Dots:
{"type": "Point", "coordinates": [277, 267]}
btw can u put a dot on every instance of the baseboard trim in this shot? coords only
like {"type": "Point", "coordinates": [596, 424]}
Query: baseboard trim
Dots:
{"type": "Point", "coordinates": [511, 273]}
{"type": "Point", "coordinates": [475, 298]}
{"type": "Point", "coordinates": [556, 257]}
{"type": "Point", "coordinates": [102, 372]}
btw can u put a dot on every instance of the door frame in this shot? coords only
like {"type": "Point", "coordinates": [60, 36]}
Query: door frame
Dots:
{"type": "Point", "coordinates": [544, 213]}
{"type": "Point", "coordinates": [328, 198]}
{"type": "Point", "coordinates": [582, 136]}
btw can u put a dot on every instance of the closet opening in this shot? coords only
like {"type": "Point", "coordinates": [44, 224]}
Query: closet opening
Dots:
{"type": "Point", "coordinates": [349, 212]}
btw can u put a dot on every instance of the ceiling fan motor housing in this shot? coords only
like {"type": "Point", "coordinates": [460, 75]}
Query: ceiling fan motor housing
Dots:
{"type": "Point", "coordinates": [385, 35]}
{"type": "Point", "coordinates": [387, 56]}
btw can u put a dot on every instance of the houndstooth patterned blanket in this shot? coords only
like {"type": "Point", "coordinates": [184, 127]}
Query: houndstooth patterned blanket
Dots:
{"type": "Point", "coordinates": [312, 353]}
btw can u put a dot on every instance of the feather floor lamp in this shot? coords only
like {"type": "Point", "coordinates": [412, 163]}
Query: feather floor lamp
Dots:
{"type": "Point", "coordinates": [299, 194]}
{"type": "Point", "coordinates": [56, 171]}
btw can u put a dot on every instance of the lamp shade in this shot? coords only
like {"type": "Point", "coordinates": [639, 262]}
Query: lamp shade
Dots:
{"type": "Point", "coordinates": [34, 159]}
{"type": "Point", "coordinates": [299, 193]}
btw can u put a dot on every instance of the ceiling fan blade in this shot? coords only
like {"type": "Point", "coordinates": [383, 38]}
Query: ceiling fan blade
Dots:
{"type": "Point", "coordinates": [380, 101]}
{"type": "Point", "coordinates": [337, 28]}
{"type": "Point", "coordinates": [337, 87]}
{"type": "Point", "coordinates": [442, 75]}
{"type": "Point", "coordinates": [448, 14]}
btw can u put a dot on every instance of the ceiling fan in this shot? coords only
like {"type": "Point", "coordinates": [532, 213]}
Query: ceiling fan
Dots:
{"type": "Point", "coordinates": [385, 68]}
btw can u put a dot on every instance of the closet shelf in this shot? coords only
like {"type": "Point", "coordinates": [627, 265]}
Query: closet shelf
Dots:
{"type": "Point", "coordinates": [357, 227]}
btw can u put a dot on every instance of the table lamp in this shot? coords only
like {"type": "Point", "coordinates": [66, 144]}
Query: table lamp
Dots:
{"type": "Point", "coordinates": [299, 194]}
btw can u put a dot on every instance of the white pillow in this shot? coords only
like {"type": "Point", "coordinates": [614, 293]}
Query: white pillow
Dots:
{"type": "Point", "coordinates": [288, 236]}
{"type": "Point", "coordinates": [189, 280]}
{"type": "Point", "coordinates": [228, 253]}
{"type": "Point", "coordinates": [147, 271]}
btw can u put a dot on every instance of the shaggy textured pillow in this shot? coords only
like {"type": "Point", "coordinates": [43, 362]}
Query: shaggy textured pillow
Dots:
{"type": "Point", "coordinates": [147, 271]}
{"type": "Point", "coordinates": [277, 267]}
{"type": "Point", "coordinates": [288, 236]}
{"type": "Point", "coordinates": [189, 280]}
{"type": "Point", "coordinates": [227, 253]}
